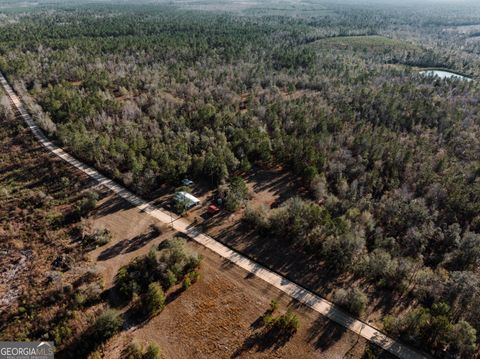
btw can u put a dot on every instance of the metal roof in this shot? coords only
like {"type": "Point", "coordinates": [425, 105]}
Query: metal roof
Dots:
{"type": "Point", "coordinates": [187, 196]}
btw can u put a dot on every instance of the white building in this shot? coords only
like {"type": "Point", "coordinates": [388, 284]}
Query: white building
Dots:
{"type": "Point", "coordinates": [186, 198]}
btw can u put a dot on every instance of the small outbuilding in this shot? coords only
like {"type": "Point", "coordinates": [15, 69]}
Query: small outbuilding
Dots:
{"type": "Point", "coordinates": [186, 199]}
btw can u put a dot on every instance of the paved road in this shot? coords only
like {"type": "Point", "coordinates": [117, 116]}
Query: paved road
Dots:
{"type": "Point", "coordinates": [304, 296]}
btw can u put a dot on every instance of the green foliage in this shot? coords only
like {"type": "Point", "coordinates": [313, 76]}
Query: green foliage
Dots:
{"type": "Point", "coordinates": [61, 332]}
{"type": "Point", "coordinates": [312, 228]}
{"type": "Point", "coordinates": [235, 194]}
{"type": "Point", "coordinates": [87, 204]}
{"type": "Point", "coordinates": [170, 278]}
{"type": "Point", "coordinates": [186, 282]}
{"type": "Point", "coordinates": [107, 325]}
{"type": "Point", "coordinates": [435, 326]}
{"type": "Point", "coordinates": [267, 320]}
{"type": "Point", "coordinates": [287, 323]}
{"type": "Point", "coordinates": [463, 339]}
{"type": "Point", "coordinates": [258, 218]}
{"type": "Point", "coordinates": [172, 264]}
{"type": "Point", "coordinates": [380, 267]}
{"type": "Point", "coordinates": [152, 352]}
{"type": "Point", "coordinates": [191, 278]}
{"type": "Point", "coordinates": [330, 93]}
{"type": "Point", "coordinates": [93, 238]}
{"type": "Point", "coordinates": [154, 299]}
{"type": "Point", "coordinates": [134, 351]}
{"type": "Point", "coordinates": [273, 305]}
{"type": "Point", "coordinates": [353, 300]}
{"type": "Point", "coordinates": [284, 324]}
{"type": "Point", "coordinates": [180, 206]}
{"type": "Point", "coordinates": [126, 283]}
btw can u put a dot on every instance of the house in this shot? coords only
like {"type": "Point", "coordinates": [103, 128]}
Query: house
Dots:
{"type": "Point", "coordinates": [186, 199]}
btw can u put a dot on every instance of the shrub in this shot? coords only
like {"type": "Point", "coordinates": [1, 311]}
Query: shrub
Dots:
{"type": "Point", "coordinates": [153, 352]}
{"type": "Point", "coordinates": [171, 265]}
{"type": "Point", "coordinates": [390, 325]}
{"type": "Point", "coordinates": [434, 325]}
{"type": "Point", "coordinates": [186, 282]}
{"type": "Point", "coordinates": [287, 322]}
{"type": "Point", "coordinates": [126, 285]}
{"type": "Point", "coordinates": [257, 218]}
{"type": "Point", "coordinates": [180, 207]}
{"type": "Point", "coordinates": [268, 319]}
{"type": "Point", "coordinates": [60, 332]}
{"type": "Point", "coordinates": [340, 251]}
{"type": "Point", "coordinates": [354, 300]}
{"type": "Point", "coordinates": [463, 338]}
{"type": "Point", "coordinates": [192, 263]}
{"type": "Point", "coordinates": [103, 237]}
{"type": "Point", "coordinates": [90, 294]}
{"type": "Point", "coordinates": [107, 325]}
{"type": "Point", "coordinates": [155, 299]}
{"type": "Point", "coordinates": [273, 306]}
{"type": "Point", "coordinates": [191, 278]}
{"type": "Point", "coordinates": [171, 278]}
{"type": "Point", "coordinates": [92, 239]}
{"type": "Point", "coordinates": [194, 276]}
{"type": "Point", "coordinates": [87, 204]}
{"type": "Point", "coordinates": [132, 351]}
{"type": "Point", "coordinates": [177, 259]}
{"type": "Point", "coordinates": [79, 299]}
{"type": "Point", "coordinates": [95, 355]}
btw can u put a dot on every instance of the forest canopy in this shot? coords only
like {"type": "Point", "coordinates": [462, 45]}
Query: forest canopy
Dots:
{"type": "Point", "coordinates": [390, 159]}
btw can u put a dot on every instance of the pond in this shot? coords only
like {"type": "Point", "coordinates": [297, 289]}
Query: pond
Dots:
{"type": "Point", "coordinates": [444, 74]}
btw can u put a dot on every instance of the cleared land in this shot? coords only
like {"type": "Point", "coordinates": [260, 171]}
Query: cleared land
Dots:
{"type": "Point", "coordinates": [226, 303]}
{"type": "Point", "coordinates": [219, 316]}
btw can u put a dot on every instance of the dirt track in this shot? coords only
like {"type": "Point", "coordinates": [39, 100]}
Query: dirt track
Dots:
{"type": "Point", "coordinates": [304, 296]}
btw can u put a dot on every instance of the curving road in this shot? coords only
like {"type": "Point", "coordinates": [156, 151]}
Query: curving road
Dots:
{"type": "Point", "coordinates": [301, 294]}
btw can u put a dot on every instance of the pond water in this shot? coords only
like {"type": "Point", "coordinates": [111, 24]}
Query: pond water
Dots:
{"type": "Point", "coordinates": [443, 74]}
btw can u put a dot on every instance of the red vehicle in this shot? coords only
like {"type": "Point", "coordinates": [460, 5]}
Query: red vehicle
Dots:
{"type": "Point", "coordinates": [212, 209]}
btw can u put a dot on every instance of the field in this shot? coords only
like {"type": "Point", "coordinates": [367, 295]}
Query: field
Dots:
{"type": "Point", "coordinates": [220, 315]}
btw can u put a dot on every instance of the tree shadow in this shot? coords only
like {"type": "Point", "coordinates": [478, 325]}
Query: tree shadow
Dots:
{"type": "Point", "coordinates": [324, 333]}
{"type": "Point", "coordinates": [263, 340]}
{"type": "Point", "coordinates": [281, 183]}
{"type": "Point", "coordinates": [113, 205]}
{"type": "Point", "coordinates": [81, 347]}
{"type": "Point", "coordinates": [137, 317]}
{"type": "Point", "coordinates": [129, 245]}
{"type": "Point", "coordinates": [264, 337]}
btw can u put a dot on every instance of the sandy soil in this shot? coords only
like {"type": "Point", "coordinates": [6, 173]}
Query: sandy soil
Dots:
{"type": "Point", "coordinates": [219, 316]}
{"type": "Point", "coordinates": [132, 235]}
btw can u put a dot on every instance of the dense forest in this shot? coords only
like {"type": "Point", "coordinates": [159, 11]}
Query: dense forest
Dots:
{"type": "Point", "coordinates": [151, 93]}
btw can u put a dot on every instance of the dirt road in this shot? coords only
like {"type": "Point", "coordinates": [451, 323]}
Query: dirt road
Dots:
{"type": "Point", "coordinates": [304, 296]}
